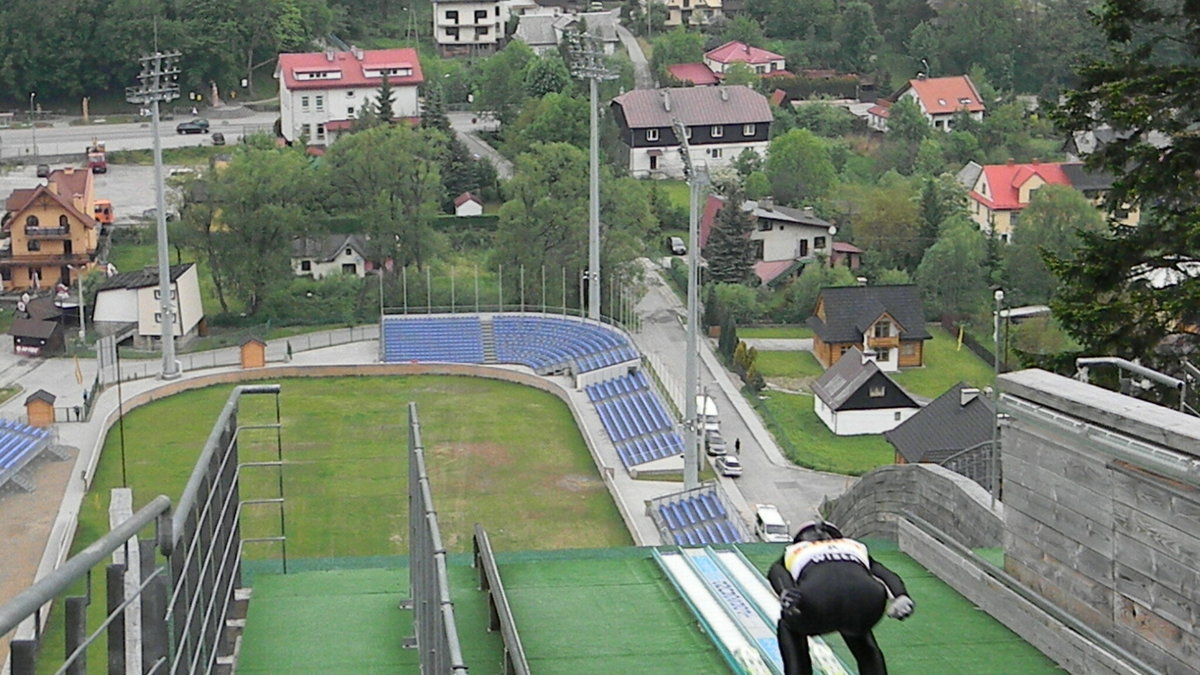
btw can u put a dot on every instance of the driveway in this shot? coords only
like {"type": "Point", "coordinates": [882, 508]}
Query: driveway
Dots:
{"type": "Point", "coordinates": [467, 126]}
{"type": "Point", "coordinates": [642, 77]}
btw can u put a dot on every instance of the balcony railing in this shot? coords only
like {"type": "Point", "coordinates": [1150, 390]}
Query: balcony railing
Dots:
{"type": "Point", "coordinates": [46, 231]}
{"type": "Point", "coordinates": [44, 259]}
{"type": "Point", "coordinates": [889, 342]}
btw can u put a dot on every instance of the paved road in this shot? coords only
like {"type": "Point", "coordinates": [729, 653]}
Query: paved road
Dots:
{"type": "Point", "coordinates": [467, 127]}
{"type": "Point", "coordinates": [642, 77]}
{"type": "Point", "coordinates": [769, 477]}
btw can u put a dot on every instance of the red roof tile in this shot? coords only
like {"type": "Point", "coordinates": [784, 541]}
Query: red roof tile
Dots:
{"type": "Point", "coordinates": [712, 207]}
{"type": "Point", "coordinates": [768, 271]}
{"type": "Point", "coordinates": [696, 73]}
{"type": "Point", "coordinates": [945, 95]}
{"type": "Point", "coordinates": [1004, 182]}
{"type": "Point", "coordinates": [740, 52]}
{"type": "Point", "coordinates": [353, 71]}
{"type": "Point", "coordinates": [778, 97]}
{"type": "Point", "coordinates": [466, 197]}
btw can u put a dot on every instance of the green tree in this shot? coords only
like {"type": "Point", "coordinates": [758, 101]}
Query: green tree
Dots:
{"type": "Point", "coordinates": [1050, 225]}
{"type": "Point", "coordinates": [544, 220]}
{"type": "Point", "coordinates": [729, 251]}
{"type": "Point", "coordinates": [433, 115]}
{"type": "Point", "coordinates": [941, 197]}
{"type": "Point", "coordinates": [1107, 300]}
{"type": "Point", "coordinates": [799, 167]}
{"type": "Point", "coordinates": [886, 223]}
{"type": "Point", "coordinates": [740, 74]}
{"type": "Point", "coordinates": [743, 29]}
{"type": "Point", "coordinates": [893, 277]}
{"type": "Point", "coordinates": [801, 294]}
{"type": "Point", "coordinates": [857, 35]}
{"type": "Point", "coordinates": [555, 118]}
{"type": "Point", "coordinates": [979, 33]}
{"type": "Point", "coordinates": [384, 108]}
{"type": "Point", "coordinates": [952, 275]}
{"type": "Point", "coordinates": [676, 46]}
{"type": "Point", "coordinates": [545, 75]}
{"type": "Point", "coordinates": [500, 86]}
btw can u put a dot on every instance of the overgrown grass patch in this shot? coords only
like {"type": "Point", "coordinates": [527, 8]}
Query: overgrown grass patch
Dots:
{"type": "Point", "coordinates": [788, 364]}
{"type": "Point", "coordinates": [806, 440]}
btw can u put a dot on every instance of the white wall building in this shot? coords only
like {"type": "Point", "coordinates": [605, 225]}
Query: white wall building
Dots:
{"type": "Point", "coordinates": [322, 93]}
{"type": "Point", "coordinates": [133, 297]}
{"type": "Point", "coordinates": [469, 27]}
{"type": "Point", "coordinates": [319, 257]}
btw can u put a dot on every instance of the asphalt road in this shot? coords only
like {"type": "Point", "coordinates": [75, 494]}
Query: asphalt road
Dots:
{"type": "Point", "coordinates": [768, 477]}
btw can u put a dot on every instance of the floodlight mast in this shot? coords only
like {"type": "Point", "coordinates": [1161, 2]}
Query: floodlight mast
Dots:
{"type": "Point", "coordinates": [587, 61]}
{"type": "Point", "coordinates": [159, 79]}
{"type": "Point", "coordinates": [697, 178]}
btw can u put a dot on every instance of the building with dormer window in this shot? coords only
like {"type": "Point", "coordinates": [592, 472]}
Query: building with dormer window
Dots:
{"type": "Point", "coordinates": [939, 98]}
{"type": "Point", "coordinates": [721, 123]}
{"type": "Point", "coordinates": [322, 93]}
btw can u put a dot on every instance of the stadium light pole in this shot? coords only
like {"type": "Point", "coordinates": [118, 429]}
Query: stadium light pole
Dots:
{"type": "Point", "coordinates": [696, 177]}
{"type": "Point", "coordinates": [999, 297]}
{"type": "Point", "coordinates": [160, 82]}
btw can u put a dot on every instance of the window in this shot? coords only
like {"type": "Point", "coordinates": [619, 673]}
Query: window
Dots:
{"type": "Point", "coordinates": [304, 103]}
{"type": "Point", "coordinates": [452, 15]}
{"type": "Point", "coordinates": [350, 111]}
{"type": "Point", "coordinates": [896, 415]}
{"type": "Point", "coordinates": [34, 245]}
{"type": "Point", "coordinates": [801, 246]}
{"type": "Point", "coordinates": [715, 153]}
{"type": "Point", "coordinates": [480, 15]}
{"type": "Point", "coordinates": [349, 268]}
{"type": "Point", "coordinates": [884, 356]}
{"type": "Point", "coordinates": [747, 129]}
{"type": "Point", "coordinates": [63, 222]}
{"type": "Point", "coordinates": [652, 134]}
{"type": "Point", "coordinates": [452, 33]}
{"type": "Point", "coordinates": [158, 294]}
{"type": "Point", "coordinates": [321, 131]}
{"type": "Point", "coordinates": [305, 265]}
{"type": "Point", "coordinates": [654, 162]}
{"type": "Point", "coordinates": [908, 348]}
{"type": "Point", "coordinates": [883, 329]}
{"type": "Point", "coordinates": [349, 251]}
{"type": "Point", "coordinates": [718, 132]}
{"type": "Point", "coordinates": [158, 317]}
{"type": "Point", "coordinates": [31, 221]}
{"type": "Point", "coordinates": [765, 225]}
{"type": "Point", "coordinates": [481, 31]}
{"type": "Point", "coordinates": [497, 12]}
{"type": "Point", "coordinates": [350, 93]}
{"type": "Point", "coordinates": [877, 391]}
{"type": "Point", "coordinates": [320, 101]}
{"type": "Point", "coordinates": [818, 242]}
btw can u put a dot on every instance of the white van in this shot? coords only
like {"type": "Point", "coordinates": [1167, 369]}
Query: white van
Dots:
{"type": "Point", "coordinates": [706, 409]}
{"type": "Point", "coordinates": [676, 246]}
{"type": "Point", "coordinates": [769, 524]}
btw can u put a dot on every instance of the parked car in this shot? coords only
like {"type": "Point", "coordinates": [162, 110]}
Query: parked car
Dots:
{"type": "Point", "coordinates": [43, 170]}
{"type": "Point", "coordinates": [676, 246]}
{"type": "Point", "coordinates": [194, 126]}
{"type": "Point", "coordinates": [769, 524]}
{"type": "Point", "coordinates": [218, 138]}
{"type": "Point", "coordinates": [714, 443]}
{"type": "Point", "coordinates": [728, 465]}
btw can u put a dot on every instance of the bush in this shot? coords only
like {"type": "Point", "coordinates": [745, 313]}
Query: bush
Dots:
{"type": "Point", "coordinates": [306, 301]}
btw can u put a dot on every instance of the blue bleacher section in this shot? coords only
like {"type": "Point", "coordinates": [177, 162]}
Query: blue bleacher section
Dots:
{"type": "Point", "coordinates": [549, 344]}
{"type": "Point", "coordinates": [447, 339]}
{"type": "Point", "coordinates": [635, 419]}
{"type": "Point", "coordinates": [698, 520]}
{"type": "Point", "coordinates": [19, 443]}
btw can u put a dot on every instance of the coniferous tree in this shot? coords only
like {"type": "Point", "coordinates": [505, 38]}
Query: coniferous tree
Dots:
{"type": "Point", "coordinates": [385, 102]}
{"type": "Point", "coordinates": [729, 251]}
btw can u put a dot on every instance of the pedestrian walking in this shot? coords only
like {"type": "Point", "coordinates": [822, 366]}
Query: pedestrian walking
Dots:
{"type": "Point", "coordinates": [737, 446]}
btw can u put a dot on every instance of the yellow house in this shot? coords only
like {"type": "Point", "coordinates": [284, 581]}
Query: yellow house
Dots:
{"type": "Point", "coordinates": [999, 192]}
{"type": "Point", "coordinates": [53, 232]}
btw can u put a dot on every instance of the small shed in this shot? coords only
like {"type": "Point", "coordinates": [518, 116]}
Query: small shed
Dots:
{"type": "Point", "coordinates": [39, 408]}
{"type": "Point", "coordinates": [254, 353]}
{"type": "Point", "coordinates": [468, 204]}
{"type": "Point", "coordinates": [36, 337]}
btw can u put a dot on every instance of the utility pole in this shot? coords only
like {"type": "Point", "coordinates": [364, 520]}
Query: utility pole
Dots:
{"type": "Point", "coordinates": [697, 177]}
{"type": "Point", "coordinates": [999, 297]}
{"type": "Point", "coordinates": [587, 61]}
{"type": "Point", "coordinates": [33, 127]}
{"type": "Point", "coordinates": [160, 82]}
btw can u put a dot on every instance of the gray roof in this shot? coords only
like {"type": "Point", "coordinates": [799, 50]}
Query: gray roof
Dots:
{"type": "Point", "coordinates": [34, 328]}
{"type": "Point", "coordinates": [142, 278]}
{"type": "Point", "coordinates": [787, 214]}
{"type": "Point", "coordinates": [601, 24]}
{"type": "Point", "coordinates": [537, 30]}
{"type": "Point", "coordinates": [969, 174]}
{"type": "Point", "coordinates": [844, 378]}
{"type": "Point", "coordinates": [1084, 179]}
{"type": "Point", "coordinates": [694, 106]}
{"type": "Point", "coordinates": [944, 427]}
{"type": "Point", "coordinates": [850, 310]}
{"type": "Point", "coordinates": [326, 248]}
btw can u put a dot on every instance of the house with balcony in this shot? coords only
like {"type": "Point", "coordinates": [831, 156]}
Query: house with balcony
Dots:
{"type": "Point", "coordinates": [720, 123]}
{"type": "Point", "coordinates": [52, 232]}
{"type": "Point", "coordinates": [692, 12]}
{"type": "Point", "coordinates": [939, 98]}
{"type": "Point", "coordinates": [785, 239]}
{"type": "Point", "coordinates": [134, 298]}
{"type": "Point", "coordinates": [998, 193]}
{"type": "Point", "coordinates": [322, 93]}
{"type": "Point", "coordinates": [469, 27]}
{"type": "Point", "coordinates": [885, 323]}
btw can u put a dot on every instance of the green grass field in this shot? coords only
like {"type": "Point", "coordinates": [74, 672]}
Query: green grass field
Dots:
{"type": "Point", "coordinates": [785, 332]}
{"type": "Point", "coordinates": [945, 366]}
{"type": "Point", "coordinates": [788, 364]}
{"type": "Point", "coordinates": [808, 442]}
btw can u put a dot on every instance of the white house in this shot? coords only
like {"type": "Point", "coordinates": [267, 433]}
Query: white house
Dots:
{"type": "Point", "coordinates": [321, 93]}
{"type": "Point", "coordinates": [134, 298]}
{"type": "Point", "coordinates": [784, 238]}
{"type": "Point", "coordinates": [319, 257]}
{"type": "Point", "coordinates": [761, 61]}
{"type": "Point", "coordinates": [939, 99]}
{"type": "Point", "coordinates": [720, 123]}
{"type": "Point", "coordinates": [468, 204]}
{"type": "Point", "coordinates": [855, 397]}
{"type": "Point", "coordinates": [469, 27]}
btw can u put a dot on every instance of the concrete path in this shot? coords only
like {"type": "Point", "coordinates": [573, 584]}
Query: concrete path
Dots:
{"type": "Point", "coordinates": [642, 77]}
{"type": "Point", "coordinates": [467, 126]}
{"type": "Point", "coordinates": [780, 344]}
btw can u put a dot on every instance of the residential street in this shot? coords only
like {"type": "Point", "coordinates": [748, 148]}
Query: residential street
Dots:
{"type": "Point", "coordinates": [642, 76]}
{"type": "Point", "coordinates": [466, 126]}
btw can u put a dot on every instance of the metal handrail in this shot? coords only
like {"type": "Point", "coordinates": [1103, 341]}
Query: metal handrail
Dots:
{"type": "Point", "coordinates": [49, 587]}
{"type": "Point", "coordinates": [486, 559]}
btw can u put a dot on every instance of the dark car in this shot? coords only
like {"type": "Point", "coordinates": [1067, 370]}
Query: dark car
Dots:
{"type": "Point", "coordinates": [196, 126]}
{"type": "Point", "coordinates": [218, 138]}
{"type": "Point", "coordinates": [43, 170]}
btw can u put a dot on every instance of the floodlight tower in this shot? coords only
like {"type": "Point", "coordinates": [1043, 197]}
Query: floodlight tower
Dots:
{"type": "Point", "coordinates": [587, 61]}
{"type": "Point", "coordinates": [160, 82]}
{"type": "Point", "coordinates": [697, 178]}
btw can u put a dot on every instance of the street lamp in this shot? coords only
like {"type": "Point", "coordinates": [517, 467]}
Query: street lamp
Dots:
{"type": "Point", "coordinates": [33, 126]}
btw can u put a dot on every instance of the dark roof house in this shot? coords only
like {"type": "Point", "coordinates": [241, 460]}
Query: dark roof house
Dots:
{"type": "Point", "coordinates": [959, 419]}
{"type": "Point", "coordinates": [855, 397]}
{"type": "Point", "coordinates": [888, 320]}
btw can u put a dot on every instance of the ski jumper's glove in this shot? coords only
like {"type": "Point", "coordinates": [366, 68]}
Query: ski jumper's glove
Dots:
{"type": "Point", "coordinates": [902, 608]}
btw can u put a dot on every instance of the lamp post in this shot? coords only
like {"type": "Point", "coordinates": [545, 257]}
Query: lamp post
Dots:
{"type": "Point", "coordinates": [999, 297]}
{"type": "Point", "coordinates": [33, 126]}
{"type": "Point", "coordinates": [80, 269]}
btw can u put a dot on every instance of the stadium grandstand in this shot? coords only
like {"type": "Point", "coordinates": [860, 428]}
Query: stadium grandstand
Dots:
{"type": "Point", "coordinates": [1089, 582]}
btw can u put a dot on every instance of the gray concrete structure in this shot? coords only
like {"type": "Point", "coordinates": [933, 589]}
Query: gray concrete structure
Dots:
{"type": "Point", "coordinates": [1102, 512]}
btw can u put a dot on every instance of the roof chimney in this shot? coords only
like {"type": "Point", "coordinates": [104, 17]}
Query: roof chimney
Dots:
{"type": "Point", "coordinates": [808, 212]}
{"type": "Point", "coordinates": [329, 53]}
{"type": "Point", "coordinates": [724, 94]}
{"type": "Point", "coordinates": [666, 97]}
{"type": "Point", "coordinates": [1011, 161]}
{"type": "Point", "coordinates": [1036, 160]}
{"type": "Point", "coordinates": [921, 76]}
{"type": "Point", "coordinates": [868, 355]}
{"type": "Point", "coordinates": [967, 394]}
{"type": "Point", "coordinates": [766, 203]}
{"type": "Point", "coordinates": [52, 186]}
{"type": "Point", "coordinates": [357, 51]}
{"type": "Point", "coordinates": [746, 47]}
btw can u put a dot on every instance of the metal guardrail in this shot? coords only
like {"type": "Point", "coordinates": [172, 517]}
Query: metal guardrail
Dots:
{"type": "Point", "coordinates": [499, 613]}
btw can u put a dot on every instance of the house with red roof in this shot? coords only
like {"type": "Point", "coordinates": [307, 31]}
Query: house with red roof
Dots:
{"type": "Point", "coordinates": [761, 61]}
{"type": "Point", "coordinates": [720, 123]}
{"type": "Point", "coordinates": [939, 99]}
{"type": "Point", "coordinates": [53, 232]}
{"type": "Point", "coordinates": [322, 93]}
{"type": "Point", "coordinates": [468, 204]}
{"type": "Point", "coordinates": [1001, 191]}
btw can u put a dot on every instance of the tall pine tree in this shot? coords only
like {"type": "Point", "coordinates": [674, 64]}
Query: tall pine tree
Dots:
{"type": "Point", "coordinates": [729, 251]}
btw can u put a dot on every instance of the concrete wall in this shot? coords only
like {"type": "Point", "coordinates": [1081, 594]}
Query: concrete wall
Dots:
{"type": "Point", "coordinates": [955, 505]}
{"type": "Point", "coordinates": [1102, 511]}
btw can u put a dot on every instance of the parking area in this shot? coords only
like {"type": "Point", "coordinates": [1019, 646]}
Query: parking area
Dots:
{"type": "Point", "coordinates": [129, 187]}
